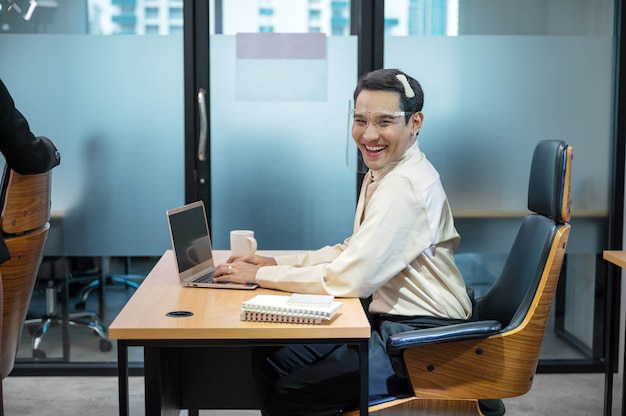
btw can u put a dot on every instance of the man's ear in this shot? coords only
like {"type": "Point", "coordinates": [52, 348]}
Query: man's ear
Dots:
{"type": "Point", "coordinates": [416, 121]}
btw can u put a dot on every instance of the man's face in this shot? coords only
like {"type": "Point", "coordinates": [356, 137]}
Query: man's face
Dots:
{"type": "Point", "coordinates": [379, 129]}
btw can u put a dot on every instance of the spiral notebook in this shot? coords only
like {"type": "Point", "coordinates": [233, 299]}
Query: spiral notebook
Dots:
{"type": "Point", "coordinates": [297, 308]}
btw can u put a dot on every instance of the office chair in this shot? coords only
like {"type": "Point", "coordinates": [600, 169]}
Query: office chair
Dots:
{"type": "Point", "coordinates": [24, 221]}
{"type": "Point", "coordinates": [494, 355]}
{"type": "Point", "coordinates": [93, 274]}
{"type": "Point", "coordinates": [38, 324]}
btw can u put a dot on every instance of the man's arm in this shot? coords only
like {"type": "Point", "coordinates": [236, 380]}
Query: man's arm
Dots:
{"type": "Point", "coordinates": [22, 151]}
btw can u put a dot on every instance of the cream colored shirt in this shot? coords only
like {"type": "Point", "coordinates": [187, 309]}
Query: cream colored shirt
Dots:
{"type": "Point", "coordinates": [401, 251]}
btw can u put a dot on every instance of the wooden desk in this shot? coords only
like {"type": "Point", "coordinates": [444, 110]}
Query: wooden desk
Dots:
{"type": "Point", "coordinates": [618, 258]}
{"type": "Point", "coordinates": [215, 322]}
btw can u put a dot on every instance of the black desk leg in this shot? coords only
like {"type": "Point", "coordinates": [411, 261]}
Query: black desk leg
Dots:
{"type": "Point", "coordinates": [364, 367]}
{"type": "Point", "coordinates": [122, 374]}
{"type": "Point", "coordinates": [162, 379]}
{"type": "Point", "coordinates": [615, 334]}
{"type": "Point", "coordinates": [608, 350]}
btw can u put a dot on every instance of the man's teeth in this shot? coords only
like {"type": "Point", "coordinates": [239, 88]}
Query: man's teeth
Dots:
{"type": "Point", "coordinates": [375, 148]}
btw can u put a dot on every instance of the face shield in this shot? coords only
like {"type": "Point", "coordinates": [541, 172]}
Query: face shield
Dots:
{"type": "Point", "coordinates": [354, 159]}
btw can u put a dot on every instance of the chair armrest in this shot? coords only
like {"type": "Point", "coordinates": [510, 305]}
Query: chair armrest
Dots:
{"type": "Point", "coordinates": [456, 332]}
{"type": "Point", "coordinates": [396, 344]}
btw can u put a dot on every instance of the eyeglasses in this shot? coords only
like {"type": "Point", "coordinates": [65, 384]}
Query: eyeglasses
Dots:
{"type": "Point", "coordinates": [379, 119]}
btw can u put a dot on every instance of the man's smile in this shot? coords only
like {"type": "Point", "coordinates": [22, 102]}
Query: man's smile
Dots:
{"type": "Point", "coordinates": [374, 148]}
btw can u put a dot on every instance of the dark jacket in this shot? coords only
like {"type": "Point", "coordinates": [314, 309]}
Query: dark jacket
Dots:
{"type": "Point", "coordinates": [23, 152]}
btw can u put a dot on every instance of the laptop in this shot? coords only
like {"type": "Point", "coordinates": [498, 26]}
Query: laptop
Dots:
{"type": "Point", "coordinates": [191, 244]}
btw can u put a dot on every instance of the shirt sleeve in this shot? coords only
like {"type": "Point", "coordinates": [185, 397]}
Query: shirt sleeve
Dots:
{"type": "Point", "coordinates": [394, 231]}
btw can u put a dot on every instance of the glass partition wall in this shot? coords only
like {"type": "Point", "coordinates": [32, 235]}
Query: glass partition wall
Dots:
{"type": "Point", "coordinates": [114, 107]}
{"type": "Point", "coordinates": [276, 77]}
{"type": "Point", "coordinates": [498, 78]}
{"type": "Point", "coordinates": [281, 76]}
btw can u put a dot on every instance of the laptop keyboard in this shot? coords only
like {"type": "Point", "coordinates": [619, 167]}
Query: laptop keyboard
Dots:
{"type": "Point", "coordinates": [207, 278]}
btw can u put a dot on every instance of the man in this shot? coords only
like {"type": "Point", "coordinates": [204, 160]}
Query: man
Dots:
{"type": "Point", "coordinates": [401, 253]}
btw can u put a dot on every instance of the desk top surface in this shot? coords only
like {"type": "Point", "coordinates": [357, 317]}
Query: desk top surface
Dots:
{"type": "Point", "coordinates": [617, 257]}
{"type": "Point", "coordinates": [216, 312]}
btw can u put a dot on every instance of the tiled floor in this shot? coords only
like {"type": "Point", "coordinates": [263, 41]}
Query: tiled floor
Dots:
{"type": "Point", "coordinates": [551, 394]}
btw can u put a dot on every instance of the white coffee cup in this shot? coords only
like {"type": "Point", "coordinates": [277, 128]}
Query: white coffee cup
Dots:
{"type": "Point", "coordinates": [242, 242]}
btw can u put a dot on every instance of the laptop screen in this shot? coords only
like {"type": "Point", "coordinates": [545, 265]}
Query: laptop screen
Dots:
{"type": "Point", "coordinates": [190, 237]}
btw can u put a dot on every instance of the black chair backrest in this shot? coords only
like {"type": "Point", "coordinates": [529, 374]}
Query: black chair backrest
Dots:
{"type": "Point", "coordinates": [510, 297]}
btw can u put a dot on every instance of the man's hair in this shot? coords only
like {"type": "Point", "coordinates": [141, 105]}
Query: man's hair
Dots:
{"type": "Point", "coordinates": [387, 80]}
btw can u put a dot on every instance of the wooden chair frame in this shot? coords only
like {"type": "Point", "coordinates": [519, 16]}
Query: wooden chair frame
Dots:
{"type": "Point", "coordinates": [24, 222]}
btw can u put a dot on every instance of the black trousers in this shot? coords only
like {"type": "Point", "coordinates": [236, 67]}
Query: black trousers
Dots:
{"type": "Point", "coordinates": [323, 380]}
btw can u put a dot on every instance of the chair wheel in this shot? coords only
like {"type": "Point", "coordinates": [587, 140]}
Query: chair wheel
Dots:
{"type": "Point", "coordinates": [39, 353]}
{"type": "Point", "coordinates": [80, 306]}
{"type": "Point", "coordinates": [105, 345]}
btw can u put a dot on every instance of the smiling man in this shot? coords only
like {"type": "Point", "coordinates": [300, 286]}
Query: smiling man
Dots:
{"type": "Point", "coordinates": [401, 254]}
{"type": "Point", "coordinates": [381, 131]}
